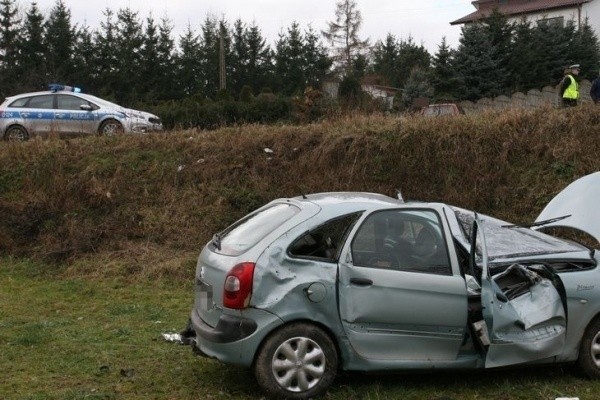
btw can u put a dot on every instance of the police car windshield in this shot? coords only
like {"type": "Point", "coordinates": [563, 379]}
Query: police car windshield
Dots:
{"type": "Point", "coordinates": [102, 101]}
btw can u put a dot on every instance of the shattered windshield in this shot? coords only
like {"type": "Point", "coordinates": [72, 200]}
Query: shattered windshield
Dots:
{"type": "Point", "coordinates": [506, 240]}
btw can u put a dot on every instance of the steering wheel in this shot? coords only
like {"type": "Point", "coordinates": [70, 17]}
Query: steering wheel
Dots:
{"type": "Point", "coordinates": [427, 243]}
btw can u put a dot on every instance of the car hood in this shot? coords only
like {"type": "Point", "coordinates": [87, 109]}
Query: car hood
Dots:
{"type": "Point", "coordinates": [579, 201]}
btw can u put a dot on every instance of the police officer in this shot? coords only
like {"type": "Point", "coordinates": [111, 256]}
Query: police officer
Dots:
{"type": "Point", "coordinates": [569, 87]}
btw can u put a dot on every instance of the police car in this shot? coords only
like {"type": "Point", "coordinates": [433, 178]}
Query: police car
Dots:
{"type": "Point", "coordinates": [65, 111]}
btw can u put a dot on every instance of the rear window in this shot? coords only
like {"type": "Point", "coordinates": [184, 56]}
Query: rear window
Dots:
{"type": "Point", "coordinates": [250, 230]}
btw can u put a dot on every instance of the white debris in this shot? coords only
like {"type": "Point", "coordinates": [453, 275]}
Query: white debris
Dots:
{"type": "Point", "coordinates": [180, 168]}
{"type": "Point", "coordinates": [172, 337]}
{"type": "Point", "coordinates": [268, 150]}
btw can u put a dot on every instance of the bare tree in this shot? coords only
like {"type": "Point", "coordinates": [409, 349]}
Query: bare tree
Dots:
{"type": "Point", "coordinates": [342, 34]}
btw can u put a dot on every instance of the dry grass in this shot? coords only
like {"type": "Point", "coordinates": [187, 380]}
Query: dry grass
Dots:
{"type": "Point", "coordinates": [146, 204]}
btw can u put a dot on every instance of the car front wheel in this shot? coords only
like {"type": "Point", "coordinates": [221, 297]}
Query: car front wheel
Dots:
{"type": "Point", "coordinates": [111, 128]}
{"type": "Point", "coordinates": [16, 133]}
{"type": "Point", "coordinates": [589, 352]}
{"type": "Point", "coordinates": [299, 361]}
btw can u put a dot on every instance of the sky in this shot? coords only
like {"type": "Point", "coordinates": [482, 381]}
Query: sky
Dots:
{"type": "Point", "coordinates": [426, 21]}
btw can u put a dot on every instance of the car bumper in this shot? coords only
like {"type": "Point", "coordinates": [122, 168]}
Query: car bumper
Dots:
{"type": "Point", "coordinates": [235, 339]}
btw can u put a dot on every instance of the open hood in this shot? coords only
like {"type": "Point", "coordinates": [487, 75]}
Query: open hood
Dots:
{"type": "Point", "coordinates": [579, 200]}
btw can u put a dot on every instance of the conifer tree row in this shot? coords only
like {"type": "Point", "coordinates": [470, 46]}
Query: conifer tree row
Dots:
{"type": "Point", "coordinates": [132, 58]}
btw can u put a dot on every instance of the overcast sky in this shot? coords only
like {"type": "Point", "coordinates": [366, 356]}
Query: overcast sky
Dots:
{"type": "Point", "coordinates": [427, 21]}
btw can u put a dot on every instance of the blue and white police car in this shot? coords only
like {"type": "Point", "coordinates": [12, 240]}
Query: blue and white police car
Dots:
{"type": "Point", "coordinates": [65, 111]}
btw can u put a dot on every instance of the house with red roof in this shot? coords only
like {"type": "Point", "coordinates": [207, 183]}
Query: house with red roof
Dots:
{"type": "Point", "coordinates": [538, 11]}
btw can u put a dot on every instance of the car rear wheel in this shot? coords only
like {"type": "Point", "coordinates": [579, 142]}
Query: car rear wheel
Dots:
{"type": "Point", "coordinates": [299, 361]}
{"type": "Point", "coordinates": [16, 133]}
{"type": "Point", "coordinates": [111, 127]}
{"type": "Point", "coordinates": [589, 352]}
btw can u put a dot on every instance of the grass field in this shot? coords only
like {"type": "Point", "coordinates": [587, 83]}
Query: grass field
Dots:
{"type": "Point", "coordinates": [100, 338]}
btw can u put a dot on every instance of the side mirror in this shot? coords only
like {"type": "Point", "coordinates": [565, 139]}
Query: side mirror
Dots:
{"type": "Point", "coordinates": [85, 107]}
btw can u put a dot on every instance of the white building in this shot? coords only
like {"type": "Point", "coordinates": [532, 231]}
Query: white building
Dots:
{"type": "Point", "coordinates": [549, 11]}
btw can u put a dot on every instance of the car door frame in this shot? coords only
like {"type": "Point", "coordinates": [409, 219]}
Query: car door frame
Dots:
{"type": "Point", "coordinates": [403, 333]}
{"type": "Point", "coordinates": [74, 122]}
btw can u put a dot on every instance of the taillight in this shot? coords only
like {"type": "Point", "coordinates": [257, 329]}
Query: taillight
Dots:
{"type": "Point", "coordinates": [238, 286]}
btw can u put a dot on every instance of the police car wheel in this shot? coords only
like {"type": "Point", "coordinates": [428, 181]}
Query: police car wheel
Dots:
{"type": "Point", "coordinates": [16, 133]}
{"type": "Point", "coordinates": [111, 128]}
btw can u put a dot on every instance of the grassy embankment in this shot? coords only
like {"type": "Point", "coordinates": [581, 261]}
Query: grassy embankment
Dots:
{"type": "Point", "coordinates": [111, 228]}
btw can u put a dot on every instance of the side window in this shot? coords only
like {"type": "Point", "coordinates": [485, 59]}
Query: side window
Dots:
{"type": "Point", "coordinates": [45, 101]}
{"type": "Point", "coordinates": [20, 103]}
{"type": "Point", "coordinates": [407, 240]}
{"type": "Point", "coordinates": [66, 102]}
{"type": "Point", "coordinates": [326, 241]}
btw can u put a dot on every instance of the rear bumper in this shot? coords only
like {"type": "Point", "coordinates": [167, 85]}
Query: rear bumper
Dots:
{"type": "Point", "coordinates": [229, 328]}
{"type": "Point", "coordinates": [235, 339]}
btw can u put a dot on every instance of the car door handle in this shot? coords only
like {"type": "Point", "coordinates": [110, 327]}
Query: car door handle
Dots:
{"type": "Point", "coordinates": [361, 282]}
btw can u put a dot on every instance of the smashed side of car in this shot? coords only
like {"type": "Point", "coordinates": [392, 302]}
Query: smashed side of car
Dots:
{"type": "Point", "coordinates": [308, 285]}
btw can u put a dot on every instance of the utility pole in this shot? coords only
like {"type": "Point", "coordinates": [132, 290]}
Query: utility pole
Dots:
{"type": "Point", "coordinates": [222, 75]}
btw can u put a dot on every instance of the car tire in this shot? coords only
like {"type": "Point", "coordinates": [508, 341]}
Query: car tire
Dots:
{"type": "Point", "coordinates": [589, 352]}
{"type": "Point", "coordinates": [298, 361]}
{"type": "Point", "coordinates": [16, 133]}
{"type": "Point", "coordinates": [110, 127]}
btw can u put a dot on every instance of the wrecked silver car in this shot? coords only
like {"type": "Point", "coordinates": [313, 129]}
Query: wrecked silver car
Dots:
{"type": "Point", "coordinates": [306, 286]}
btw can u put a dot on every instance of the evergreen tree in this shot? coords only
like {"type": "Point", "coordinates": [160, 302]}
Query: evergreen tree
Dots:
{"type": "Point", "coordinates": [443, 77]}
{"type": "Point", "coordinates": [239, 57]}
{"type": "Point", "coordinates": [60, 43]}
{"type": "Point", "coordinates": [84, 56]}
{"type": "Point", "coordinates": [316, 61]}
{"type": "Point", "coordinates": [417, 85]}
{"type": "Point", "coordinates": [523, 58]}
{"type": "Point", "coordinates": [259, 69]}
{"type": "Point", "coordinates": [477, 65]}
{"type": "Point", "coordinates": [149, 61]}
{"type": "Point", "coordinates": [9, 29]}
{"type": "Point", "coordinates": [128, 42]}
{"type": "Point", "coordinates": [342, 33]}
{"type": "Point", "coordinates": [31, 53]}
{"type": "Point", "coordinates": [410, 56]}
{"type": "Point", "coordinates": [385, 58]}
{"type": "Point", "coordinates": [289, 58]}
{"type": "Point", "coordinates": [551, 52]}
{"type": "Point", "coordinates": [210, 54]}
{"type": "Point", "coordinates": [500, 33]}
{"type": "Point", "coordinates": [104, 68]}
{"type": "Point", "coordinates": [584, 49]}
{"type": "Point", "coordinates": [167, 88]}
{"type": "Point", "coordinates": [188, 71]}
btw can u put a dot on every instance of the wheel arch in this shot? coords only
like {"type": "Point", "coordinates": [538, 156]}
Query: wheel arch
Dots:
{"type": "Point", "coordinates": [109, 118]}
{"type": "Point", "coordinates": [13, 125]}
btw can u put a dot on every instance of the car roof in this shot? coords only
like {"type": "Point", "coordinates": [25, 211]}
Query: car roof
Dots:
{"type": "Point", "coordinates": [330, 199]}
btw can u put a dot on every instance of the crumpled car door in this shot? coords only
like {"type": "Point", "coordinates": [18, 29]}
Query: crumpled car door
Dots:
{"type": "Point", "coordinates": [523, 312]}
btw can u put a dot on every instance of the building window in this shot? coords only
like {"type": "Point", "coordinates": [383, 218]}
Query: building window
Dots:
{"type": "Point", "coordinates": [556, 21]}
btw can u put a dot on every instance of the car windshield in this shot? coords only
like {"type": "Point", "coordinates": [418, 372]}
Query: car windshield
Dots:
{"type": "Point", "coordinates": [248, 231]}
{"type": "Point", "coordinates": [103, 102]}
{"type": "Point", "coordinates": [504, 240]}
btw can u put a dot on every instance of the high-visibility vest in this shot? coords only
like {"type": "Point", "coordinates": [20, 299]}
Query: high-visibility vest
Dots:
{"type": "Point", "coordinates": [572, 91]}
